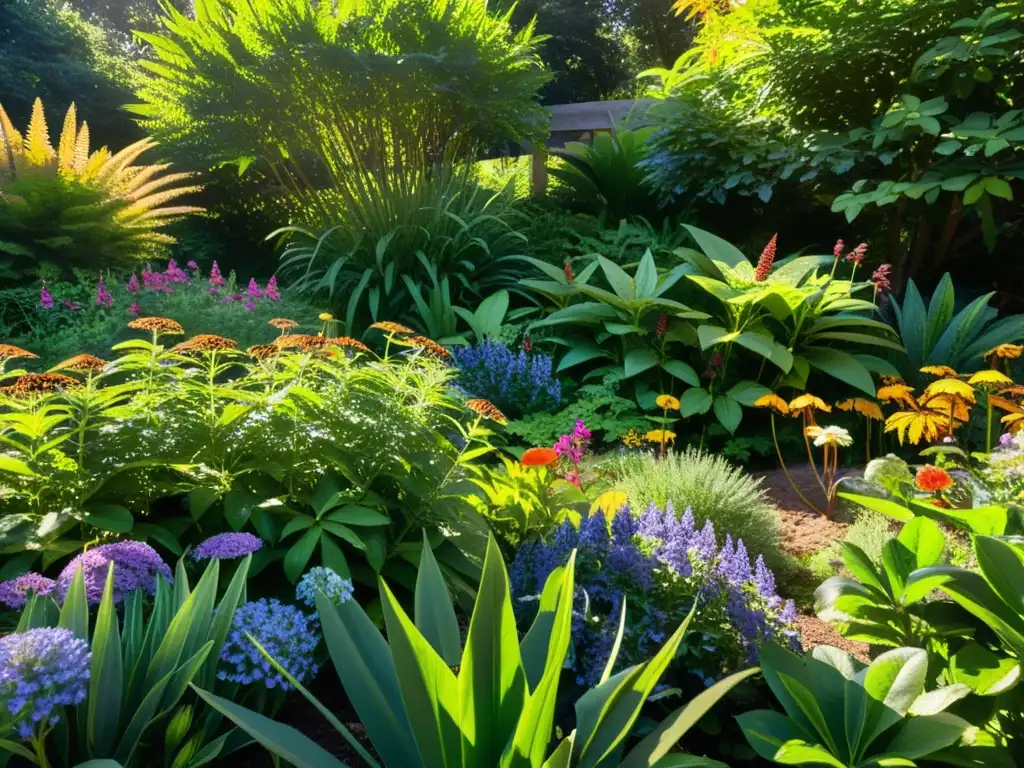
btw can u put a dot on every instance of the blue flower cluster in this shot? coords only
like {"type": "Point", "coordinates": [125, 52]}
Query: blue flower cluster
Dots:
{"type": "Point", "coordinates": [284, 631]}
{"type": "Point", "coordinates": [320, 579]}
{"type": "Point", "coordinates": [518, 383]}
{"type": "Point", "coordinates": [661, 563]}
{"type": "Point", "coordinates": [42, 670]}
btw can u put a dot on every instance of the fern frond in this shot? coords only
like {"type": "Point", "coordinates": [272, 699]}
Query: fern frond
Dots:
{"type": "Point", "coordinates": [165, 213]}
{"type": "Point", "coordinates": [81, 149]}
{"type": "Point", "coordinates": [149, 190]}
{"type": "Point", "coordinates": [93, 165]}
{"type": "Point", "coordinates": [66, 144]}
{"type": "Point", "coordinates": [10, 139]}
{"type": "Point", "coordinates": [111, 170]}
{"type": "Point", "coordinates": [38, 150]}
{"type": "Point", "coordinates": [139, 179]}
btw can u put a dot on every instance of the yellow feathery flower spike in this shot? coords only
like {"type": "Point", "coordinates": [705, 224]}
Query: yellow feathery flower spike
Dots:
{"type": "Point", "coordinates": [38, 150]}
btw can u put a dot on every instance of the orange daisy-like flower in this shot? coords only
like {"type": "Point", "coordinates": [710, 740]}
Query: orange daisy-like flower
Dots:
{"type": "Point", "coordinates": [302, 341]}
{"type": "Point", "coordinates": [204, 342]}
{"type": "Point", "coordinates": [961, 410]}
{"type": "Point", "coordinates": [863, 406]}
{"type": "Point", "coordinates": [389, 327]}
{"type": "Point", "coordinates": [897, 393]}
{"type": "Point", "coordinates": [429, 345]}
{"type": "Point", "coordinates": [348, 341]}
{"type": "Point", "coordinates": [81, 364]}
{"type": "Point", "coordinates": [931, 479]}
{"type": "Point", "coordinates": [283, 323]}
{"type": "Point", "coordinates": [807, 404]}
{"type": "Point", "coordinates": [486, 409]}
{"type": "Point", "coordinates": [36, 383]}
{"type": "Point", "coordinates": [668, 402]}
{"type": "Point", "coordinates": [940, 371]}
{"type": "Point", "coordinates": [9, 352]}
{"type": "Point", "coordinates": [774, 402]}
{"type": "Point", "coordinates": [263, 351]}
{"type": "Point", "coordinates": [538, 457]}
{"type": "Point", "coordinates": [1005, 351]}
{"type": "Point", "coordinates": [158, 325]}
{"type": "Point", "coordinates": [913, 426]}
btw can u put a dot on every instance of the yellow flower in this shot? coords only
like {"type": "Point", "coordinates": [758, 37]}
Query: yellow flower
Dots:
{"type": "Point", "coordinates": [806, 403]}
{"type": "Point", "coordinates": [325, 316]}
{"type": "Point", "coordinates": [952, 387]}
{"type": "Point", "coordinates": [668, 402]}
{"type": "Point", "coordinates": [961, 410]}
{"type": "Point", "coordinates": [829, 436]}
{"type": "Point", "coordinates": [609, 502]}
{"type": "Point", "coordinates": [1013, 421]}
{"type": "Point", "coordinates": [940, 371]}
{"type": "Point", "coordinates": [773, 401]}
{"type": "Point", "coordinates": [863, 406]}
{"type": "Point", "coordinates": [898, 393]}
{"type": "Point", "coordinates": [914, 425]}
{"type": "Point", "coordinates": [990, 376]}
{"type": "Point", "coordinates": [632, 439]}
{"type": "Point", "coordinates": [1005, 351]}
{"type": "Point", "coordinates": [660, 436]}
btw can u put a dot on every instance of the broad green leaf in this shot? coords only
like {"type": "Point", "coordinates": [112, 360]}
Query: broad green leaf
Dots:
{"type": "Point", "coordinates": [728, 412]}
{"type": "Point", "coordinates": [802, 753]}
{"type": "Point", "coordinates": [860, 565]}
{"type": "Point", "coordinates": [983, 671]}
{"type": "Point", "coordinates": [580, 353]}
{"type": "Point", "coordinates": [766, 731]}
{"type": "Point", "coordinates": [888, 508]}
{"type": "Point", "coordinates": [1002, 565]}
{"type": "Point", "coordinates": [716, 248]}
{"type": "Point", "coordinates": [109, 517]}
{"type": "Point", "coordinates": [919, 737]}
{"type": "Point", "coordinates": [695, 400]}
{"type": "Point", "coordinates": [16, 467]}
{"type": "Point", "coordinates": [709, 335]}
{"type": "Point", "coordinates": [924, 538]}
{"type": "Point", "coordinates": [841, 366]}
{"type": "Point", "coordinates": [682, 371]}
{"type": "Point", "coordinates": [747, 392]}
{"type": "Point", "coordinates": [299, 553]}
{"type": "Point", "coordinates": [897, 678]}
{"type": "Point", "coordinates": [617, 278]}
{"type": "Point", "coordinates": [435, 614]}
{"type": "Point", "coordinates": [646, 279]}
{"type": "Point", "coordinates": [639, 360]}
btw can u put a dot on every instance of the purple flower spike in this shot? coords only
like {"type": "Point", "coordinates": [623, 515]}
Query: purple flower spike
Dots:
{"type": "Point", "coordinates": [45, 298]}
{"type": "Point", "coordinates": [272, 293]}
{"type": "Point", "coordinates": [136, 566]}
{"type": "Point", "coordinates": [764, 579]}
{"type": "Point", "coordinates": [14, 593]}
{"type": "Point", "coordinates": [227, 546]}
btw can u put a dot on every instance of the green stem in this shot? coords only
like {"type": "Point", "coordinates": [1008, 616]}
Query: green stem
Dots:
{"type": "Point", "coordinates": [785, 471]}
{"type": "Point", "coordinates": [988, 424]}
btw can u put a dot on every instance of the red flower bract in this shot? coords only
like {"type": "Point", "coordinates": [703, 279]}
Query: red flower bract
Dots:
{"type": "Point", "coordinates": [931, 479]}
{"type": "Point", "coordinates": [538, 457]}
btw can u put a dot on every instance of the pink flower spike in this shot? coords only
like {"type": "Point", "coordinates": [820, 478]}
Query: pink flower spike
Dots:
{"type": "Point", "coordinates": [272, 292]}
{"type": "Point", "coordinates": [254, 290]}
{"type": "Point", "coordinates": [215, 276]}
{"type": "Point", "coordinates": [133, 284]}
{"type": "Point", "coordinates": [192, 264]}
{"type": "Point", "coordinates": [45, 298]}
{"type": "Point", "coordinates": [103, 297]}
{"type": "Point", "coordinates": [135, 309]}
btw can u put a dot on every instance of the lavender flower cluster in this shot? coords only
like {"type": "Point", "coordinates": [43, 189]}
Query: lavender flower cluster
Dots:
{"type": "Point", "coordinates": [284, 631]}
{"type": "Point", "coordinates": [227, 546]}
{"type": "Point", "coordinates": [661, 563]}
{"type": "Point", "coordinates": [136, 566]}
{"type": "Point", "coordinates": [14, 592]}
{"type": "Point", "coordinates": [320, 579]}
{"type": "Point", "coordinates": [518, 383]}
{"type": "Point", "coordinates": [42, 670]}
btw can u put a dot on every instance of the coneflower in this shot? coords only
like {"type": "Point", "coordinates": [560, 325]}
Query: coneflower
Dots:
{"type": "Point", "coordinates": [764, 264]}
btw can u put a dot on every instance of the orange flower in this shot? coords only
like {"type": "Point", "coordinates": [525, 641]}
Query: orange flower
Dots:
{"type": "Point", "coordinates": [283, 323]}
{"type": "Point", "coordinates": [428, 345]}
{"type": "Point", "coordinates": [9, 352]}
{"type": "Point", "coordinates": [262, 351]}
{"type": "Point", "coordinates": [303, 341]}
{"type": "Point", "coordinates": [1005, 351]}
{"type": "Point", "coordinates": [81, 364]}
{"type": "Point", "coordinates": [932, 479]}
{"type": "Point", "coordinates": [158, 325]}
{"type": "Point", "coordinates": [940, 371]}
{"type": "Point", "coordinates": [389, 327]}
{"type": "Point", "coordinates": [898, 393]}
{"type": "Point", "coordinates": [867, 408]}
{"type": "Point", "coordinates": [538, 457]}
{"type": "Point", "coordinates": [774, 402]}
{"type": "Point", "coordinates": [34, 383]}
{"type": "Point", "coordinates": [348, 341]}
{"type": "Point", "coordinates": [204, 342]}
{"type": "Point", "coordinates": [486, 409]}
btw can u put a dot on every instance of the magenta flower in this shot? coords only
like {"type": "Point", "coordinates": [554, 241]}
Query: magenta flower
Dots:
{"type": "Point", "coordinates": [272, 293]}
{"type": "Point", "coordinates": [249, 305]}
{"type": "Point", "coordinates": [103, 297]}
{"type": "Point", "coordinates": [837, 251]}
{"type": "Point", "coordinates": [227, 546]}
{"type": "Point", "coordinates": [856, 256]}
{"type": "Point", "coordinates": [192, 264]}
{"type": "Point", "coordinates": [69, 304]}
{"type": "Point", "coordinates": [213, 291]}
{"type": "Point", "coordinates": [135, 309]}
{"type": "Point", "coordinates": [215, 276]}
{"type": "Point", "coordinates": [45, 298]}
{"type": "Point", "coordinates": [175, 274]}
{"type": "Point", "coordinates": [880, 277]}
{"type": "Point", "coordinates": [254, 290]}
{"type": "Point", "coordinates": [133, 284]}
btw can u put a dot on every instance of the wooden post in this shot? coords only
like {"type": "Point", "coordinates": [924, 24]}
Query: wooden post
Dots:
{"type": "Point", "coordinates": [539, 172]}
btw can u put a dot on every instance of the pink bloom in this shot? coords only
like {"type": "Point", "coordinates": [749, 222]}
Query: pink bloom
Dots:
{"type": "Point", "coordinates": [249, 305]}
{"type": "Point", "coordinates": [174, 274]}
{"type": "Point", "coordinates": [103, 297]}
{"type": "Point", "coordinates": [45, 298]}
{"type": "Point", "coordinates": [837, 251]}
{"type": "Point", "coordinates": [69, 304]}
{"type": "Point", "coordinates": [212, 291]}
{"type": "Point", "coordinates": [880, 278]}
{"type": "Point", "coordinates": [254, 290]}
{"type": "Point", "coordinates": [856, 256]}
{"type": "Point", "coordinates": [135, 309]}
{"type": "Point", "coordinates": [527, 344]}
{"type": "Point", "coordinates": [764, 264]}
{"type": "Point", "coordinates": [215, 276]}
{"type": "Point", "coordinates": [192, 264]}
{"type": "Point", "coordinates": [271, 292]}
{"type": "Point", "coordinates": [133, 284]}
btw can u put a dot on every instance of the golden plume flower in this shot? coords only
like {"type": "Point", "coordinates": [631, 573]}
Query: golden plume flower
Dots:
{"type": "Point", "coordinates": [81, 364]}
{"type": "Point", "coordinates": [773, 401]}
{"type": "Point", "coordinates": [348, 341]}
{"type": "Point", "coordinates": [668, 402]}
{"type": "Point", "coordinates": [660, 436]}
{"type": "Point", "coordinates": [36, 383]}
{"type": "Point", "coordinates": [9, 352]}
{"type": "Point", "coordinates": [161, 326]}
{"type": "Point", "coordinates": [940, 371]}
{"type": "Point", "coordinates": [487, 409]}
{"type": "Point", "coordinates": [283, 323]}
{"type": "Point", "coordinates": [389, 327]}
{"type": "Point", "coordinates": [1005, 351]}
{"type": "Point", "coordinates": [951, 387]}
{"type": "Point", "coordinates": [912, 426]}
{"type": "Point", "coordinates": [263, 351]}
{"type": "Point", "coordinates": [204, 342]}
{"type": "Point", "coordinates": [807, 402]}
{"type": "Point", "coordinates": [867, 408]}
{"type": "Point", "coordinates": [897, 393]}
{"type": "Point", "coordinates": [835, 436]}
{"type": "Point", "coordinates": [991, 377]}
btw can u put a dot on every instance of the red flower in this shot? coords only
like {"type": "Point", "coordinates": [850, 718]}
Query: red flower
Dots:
{"type": "Point", "coordinates": [527, 344]}
{"type": "Point", "coordinates": [931, 479]}
{"type": "Point", "coordinates": [569, 273]}
{"type": "Point", "coordinates": [662, 328]}
{"type": "Point", "coordinates": [856, 256]}
{"type": "Point", "coordinates": [837, 250]}
{"type": "Point", "coordinates": [764, 264]}
{"type": "Point", "coordinates": [538, 457]}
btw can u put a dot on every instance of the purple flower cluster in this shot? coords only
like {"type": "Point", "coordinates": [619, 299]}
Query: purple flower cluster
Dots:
{"type": "Point", "coordinates": [42, 670]}
{"type": "Point", "coordinates": [103, 297]}
{"type": "Point", "coordinates": [660, 562]}
{"type": "Point", "coordinates": [284, 631]}
{"type": "Point", "coordinates": [136, 566]}
{"type": "Point", "coordinates": [517, 382]}
{"type": "Point", "coordinates": [14, 592]}
{"type": "Point", "coordinates": [227, 546]}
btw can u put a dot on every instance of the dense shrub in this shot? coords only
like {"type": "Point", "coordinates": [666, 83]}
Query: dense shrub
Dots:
{"type": "Point", "coordinates": [714, 489]}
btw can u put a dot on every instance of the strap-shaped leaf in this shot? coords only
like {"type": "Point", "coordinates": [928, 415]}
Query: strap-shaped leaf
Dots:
{"type": "Point", "coordinates": [617, 644]}
{"type": "Point", "coordinates": [435, 614]}
{"type": "Point", "coordinates": [222, 621]}
{"type": "Point", "coordinates": [106, 676]}
{"type": "Point", "coordinates": [534, 647]}
{"type": "Point", "coordinates": [74, 613]}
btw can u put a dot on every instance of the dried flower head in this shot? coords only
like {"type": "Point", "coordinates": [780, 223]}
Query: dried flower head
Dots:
{"type": "Point", "coordinates": [283, 323]}
{"type": "Point", "coordinates": [389, 327]}
{"type": "Point", "coordinates": [348, 341]}
{"type": "Point", "coordinates": [10, 352]}
{"type": "Point", "coordinates": [161, 326]}
{"type": "Point", "coordinates": [36, 383]}
{"type": "Point", "coordinates": [81, 364]}
{"type": "Point", "coordinates": [1005, 351]}
{"type": "Point", "coordinates": [204, 343]}
{"type": "Point", "coordinates": [263, 351]}
{"type": "Point", "coordinates": [486, 409]}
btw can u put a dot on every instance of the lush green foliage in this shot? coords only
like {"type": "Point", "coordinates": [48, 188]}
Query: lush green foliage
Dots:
{"type": "Point", "coordinates": [76, 209]}
{"type": "Point", "coordinates": [498, 707]}
{"type": "Point", "coordinates": [714, 489]}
